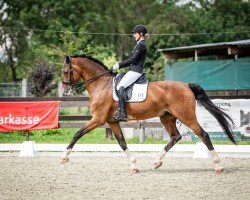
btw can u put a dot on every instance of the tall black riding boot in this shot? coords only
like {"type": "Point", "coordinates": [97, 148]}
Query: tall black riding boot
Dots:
{"type": "Point", "coordinates": [122, 106]}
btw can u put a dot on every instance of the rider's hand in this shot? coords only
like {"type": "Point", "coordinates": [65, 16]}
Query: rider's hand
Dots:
{"type": "Point", "coordinates": [115, 67]}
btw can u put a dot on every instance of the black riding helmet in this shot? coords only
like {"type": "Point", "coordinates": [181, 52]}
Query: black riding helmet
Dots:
{"type": "Point", "coordinates": [140, 29]}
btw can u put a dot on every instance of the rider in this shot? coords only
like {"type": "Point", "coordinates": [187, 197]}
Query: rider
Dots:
{"type": "Point", "coordinates": [135, 63]}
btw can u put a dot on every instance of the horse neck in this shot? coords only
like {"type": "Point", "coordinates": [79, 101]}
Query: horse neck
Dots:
{"type": "Point", "coordinates": [90, 69]}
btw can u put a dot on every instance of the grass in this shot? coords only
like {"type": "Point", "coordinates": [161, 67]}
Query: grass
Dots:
{"type": "Point", "coordinates": [54, 136]}
{"type": "Point", "coordinates": [97, 136]}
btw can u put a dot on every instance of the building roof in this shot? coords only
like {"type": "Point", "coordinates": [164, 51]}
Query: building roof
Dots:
{"type": "Point", "coordinates": [241, 47]}
{"type": "Point", "coordinates": [209, 46]}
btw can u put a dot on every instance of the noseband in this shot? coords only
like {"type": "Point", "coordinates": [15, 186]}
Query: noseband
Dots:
{"type": "Point", "coordinates": [70, 80]}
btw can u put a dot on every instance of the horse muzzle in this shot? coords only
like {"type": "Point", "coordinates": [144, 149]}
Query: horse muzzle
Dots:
{"type": "Point", "coordinates": [67, 91]}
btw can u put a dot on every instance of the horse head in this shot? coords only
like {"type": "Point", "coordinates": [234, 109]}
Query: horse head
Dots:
{"type": "Point", "coordinates": [85, 67]}
{"type": "Point", "coordinates": [70, 76]}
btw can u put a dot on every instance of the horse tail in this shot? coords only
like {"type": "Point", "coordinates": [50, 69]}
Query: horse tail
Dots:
{"type": "Point", "coordinates": [220, 116]}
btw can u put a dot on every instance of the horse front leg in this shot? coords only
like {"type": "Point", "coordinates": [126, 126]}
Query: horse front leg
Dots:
{"type": "Point", "coordinates": [116, 129]}
{"type": "Point", "coordinates": [92, 124]}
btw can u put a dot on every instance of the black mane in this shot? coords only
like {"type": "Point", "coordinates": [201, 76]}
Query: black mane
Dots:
{"type": "Point", "coordinates": [91, 58]}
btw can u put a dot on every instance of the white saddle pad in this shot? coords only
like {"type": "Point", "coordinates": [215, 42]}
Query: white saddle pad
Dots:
{"type": "Point", "coordinates": [139, 92]}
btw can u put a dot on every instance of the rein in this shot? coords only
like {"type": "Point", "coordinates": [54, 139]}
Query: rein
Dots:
{"type": "Point", "coordinates": [97, 76]}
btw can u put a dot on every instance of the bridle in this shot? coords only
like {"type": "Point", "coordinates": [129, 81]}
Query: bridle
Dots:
{"type": "Point", "coordinates": [71, 82]}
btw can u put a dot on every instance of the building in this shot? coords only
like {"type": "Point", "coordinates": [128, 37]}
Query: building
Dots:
{"type": "Point", "coordinates": [222, 69]}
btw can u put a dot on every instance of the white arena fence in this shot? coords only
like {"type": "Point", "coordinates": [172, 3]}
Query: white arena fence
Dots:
{"type": "Point", "coordinates": [198, 150]}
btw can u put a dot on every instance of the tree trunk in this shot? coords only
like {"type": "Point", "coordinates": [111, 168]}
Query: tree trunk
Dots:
{"type": "Point", "coordinates": [13, 70]}
{"type": "Point", "coordinates": [11, 63]}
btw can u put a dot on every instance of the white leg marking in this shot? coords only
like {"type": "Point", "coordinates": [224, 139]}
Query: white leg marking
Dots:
{"type": "Point", "coordinates": [66, 153]}
{"type": "Point", "coordinates": [161, 156]}
{"type": "Point", "coordinates": [215, 156]}
{"type": "Point", "coordinates": [65, 157]}
{"type": "Point", "coordinates": [131, 158]}
{"type": "Point", "coordinates": [216, 160]}
{"type": "Point", "coordinates": [158, 161]}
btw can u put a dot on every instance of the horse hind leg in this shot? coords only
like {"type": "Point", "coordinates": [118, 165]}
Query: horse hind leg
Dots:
{"type": "Point", "coordinates": [169, 122]}
{"type": "Point", "coordinates": [203, 135]}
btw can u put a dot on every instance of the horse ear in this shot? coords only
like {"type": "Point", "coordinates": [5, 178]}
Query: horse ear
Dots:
{"type": "Point", "coordinates": [67, 59]}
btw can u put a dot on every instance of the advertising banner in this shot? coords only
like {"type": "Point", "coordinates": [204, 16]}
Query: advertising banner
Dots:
{"type": "Point", "coordinates": [18, 116]}
{"type": "Point", "coordinates": [237, 109]}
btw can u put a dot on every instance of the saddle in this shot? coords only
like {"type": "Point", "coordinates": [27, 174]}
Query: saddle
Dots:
{"type": "Point", "coordinates": [134, 93]}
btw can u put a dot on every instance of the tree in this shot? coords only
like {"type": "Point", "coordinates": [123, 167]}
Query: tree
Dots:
{"type": "Point", "coordinates": [13, 41]}
{"type": "Point", "coordinates": [40, 80]}
{"type": "Point", "coordinates": [39, 29]}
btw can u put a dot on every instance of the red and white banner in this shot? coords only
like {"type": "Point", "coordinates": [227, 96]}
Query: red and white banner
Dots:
{"type": "Point", "coordinates": [17, 116]}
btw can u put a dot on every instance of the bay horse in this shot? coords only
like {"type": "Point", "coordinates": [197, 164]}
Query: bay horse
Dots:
{"type": "Point", "coordinates": [168, 100]}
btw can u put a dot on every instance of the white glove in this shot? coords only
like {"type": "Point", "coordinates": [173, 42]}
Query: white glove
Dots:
{"type": "Point", "coordinates": [115, 67]}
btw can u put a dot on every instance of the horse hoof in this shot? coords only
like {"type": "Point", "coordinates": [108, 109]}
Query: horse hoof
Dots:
{"type": "Point", "coordinates": [219, 170]}
{"type": "Point", "coordinates": [64, 160]}
{"type": "Point", "coordinates": [134, 171]}
{"type": "Point", "coordinates": [158, 164]}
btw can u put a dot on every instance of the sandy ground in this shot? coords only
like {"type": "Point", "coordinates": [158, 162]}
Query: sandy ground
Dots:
{"type": "Point", "coordinates": [107, 176]}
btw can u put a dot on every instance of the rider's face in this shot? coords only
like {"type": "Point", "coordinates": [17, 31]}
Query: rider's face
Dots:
{"type": "Point", "coordinates": [136, 36]}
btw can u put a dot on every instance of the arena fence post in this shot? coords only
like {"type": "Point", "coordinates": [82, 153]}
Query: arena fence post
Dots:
{"type": "Point", "coordinates": [59, 89]}
{"type": "Point", "coordinates": [24, 87]}
{"type": "Point", "coordinates": [27, 135]}
{"type": "Point", "coordinates": [109, 134]}
{"type": "Point", "coordinates": [142, 132]}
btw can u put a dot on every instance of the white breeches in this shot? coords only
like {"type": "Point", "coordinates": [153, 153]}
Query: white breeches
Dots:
{"type": "Point", "coordinates": [129, 78]}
